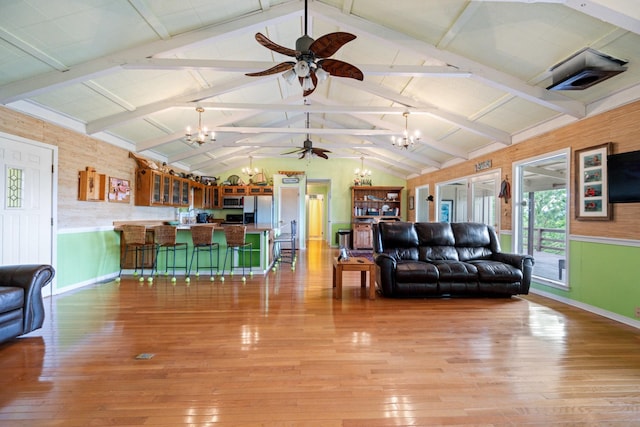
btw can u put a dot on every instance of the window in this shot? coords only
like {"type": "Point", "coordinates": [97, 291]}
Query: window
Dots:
{"type": "Point", "coordinates": [14, 188]}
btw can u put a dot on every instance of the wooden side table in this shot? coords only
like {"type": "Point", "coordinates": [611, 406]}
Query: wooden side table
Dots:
{"type": "Point", "coordinates": [354, 264]}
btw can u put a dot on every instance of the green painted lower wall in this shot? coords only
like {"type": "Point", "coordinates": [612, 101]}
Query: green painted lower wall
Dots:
{"type": "Point", "coordinates": [83, 257]}
{"type": "Point", "coordinates": [602, 275]}
{"type": "Point", "coordinates": [86, 257]}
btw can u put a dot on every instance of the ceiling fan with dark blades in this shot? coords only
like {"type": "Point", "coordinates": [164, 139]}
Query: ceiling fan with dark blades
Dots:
{"type": "Point", "coordinates": [307, 148]}
{"type": "Point", "coordinates": [312, 58]}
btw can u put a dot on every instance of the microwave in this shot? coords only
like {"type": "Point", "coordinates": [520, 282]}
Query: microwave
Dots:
{"type": "Point", "coordinates": [233, 202]}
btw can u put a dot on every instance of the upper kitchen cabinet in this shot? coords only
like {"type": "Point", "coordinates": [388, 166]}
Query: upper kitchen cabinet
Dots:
{"type": "Point", "coordinates": [155, 188]}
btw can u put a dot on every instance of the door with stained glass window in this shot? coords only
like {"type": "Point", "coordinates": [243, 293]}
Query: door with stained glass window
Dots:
{"type": "Point", "coordinates": [26, 202]}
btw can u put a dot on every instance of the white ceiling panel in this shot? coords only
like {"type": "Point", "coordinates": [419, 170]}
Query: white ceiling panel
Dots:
{"type": "Point", "coordinates": [470, 72]}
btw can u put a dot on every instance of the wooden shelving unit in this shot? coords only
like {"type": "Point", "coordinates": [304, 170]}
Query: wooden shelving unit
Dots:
{"type": "Point", "coordinates": [370, 204]}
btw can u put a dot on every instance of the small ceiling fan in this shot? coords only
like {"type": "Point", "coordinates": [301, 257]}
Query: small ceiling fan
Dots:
{"type": "Point", "coordinates": [312, 56]}
{"type": "Point", "coordinates": [307, 148]}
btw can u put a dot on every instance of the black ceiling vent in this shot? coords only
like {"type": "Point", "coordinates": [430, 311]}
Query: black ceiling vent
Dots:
{"type": "Point", "coordinates": [585, 69]}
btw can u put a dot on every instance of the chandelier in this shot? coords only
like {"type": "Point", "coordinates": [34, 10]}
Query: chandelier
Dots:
{"type": "Point", "coordinates": [362, 174]}
{"type": "Point", "coordinates": [201, 133]}
{"type": "Point", "coordinates": [250, 171]}
{"type": "Point", "coordinates": [405, 141]}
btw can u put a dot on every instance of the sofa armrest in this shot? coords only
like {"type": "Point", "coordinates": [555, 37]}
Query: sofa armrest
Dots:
{"type": "Point", "coordinates": [385, 272]}
{"type": "Point", "coordinates": [524, 263]}
{"type": "Point", "coordinates": [31, 278]}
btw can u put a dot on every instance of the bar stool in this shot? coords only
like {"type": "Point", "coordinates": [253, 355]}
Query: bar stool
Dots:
{"type": "Point", "coordinates": [286, 255]}
{"type": "Point", "coordinates": [134, 238]}
{"type": "Point", "coordinates": [165, 237]}
{"type": "Point", "coordinates": [235, 236]}
{"type": "Point", "coordinates": [202, 236]}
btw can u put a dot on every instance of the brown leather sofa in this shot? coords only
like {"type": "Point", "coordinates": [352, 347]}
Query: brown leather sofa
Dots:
{"type": "Point", "coordinates": [441, 259]}
{"type": "Point", "coordinates": [21, 305]}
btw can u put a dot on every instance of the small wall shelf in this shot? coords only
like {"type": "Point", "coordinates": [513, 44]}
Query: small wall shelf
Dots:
{"type": "Point", "coordinates": [91, 185]}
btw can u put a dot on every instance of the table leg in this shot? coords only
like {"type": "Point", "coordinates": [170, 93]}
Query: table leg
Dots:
{"type": "Point", "coordinates": [334, 276]}
{"type": "Point", "coordinates": [363, 279]}
{"type": "Point", "coordinates": [372, 282]}
{"type": "Point", "coordinates": [338, 282]}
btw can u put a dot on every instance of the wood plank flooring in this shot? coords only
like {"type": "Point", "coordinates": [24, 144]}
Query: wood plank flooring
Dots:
{"type": "Point", "coordinates": [279, 350]}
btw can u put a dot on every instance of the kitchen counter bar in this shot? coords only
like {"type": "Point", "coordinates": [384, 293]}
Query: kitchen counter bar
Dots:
{"type": "Point", "coordinates": [251, 228]}
{"type": "Point", "coordinates": [261, 235]}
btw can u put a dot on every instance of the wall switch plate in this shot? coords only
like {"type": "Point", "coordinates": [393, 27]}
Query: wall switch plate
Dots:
{"type": "Point", "coordinates": [637, 311]}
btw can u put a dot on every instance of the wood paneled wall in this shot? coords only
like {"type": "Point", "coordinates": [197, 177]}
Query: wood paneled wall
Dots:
{"type": "Point", "coordinates": [620, 126]}
{"type": "Point", "coordinates": [75, 152]}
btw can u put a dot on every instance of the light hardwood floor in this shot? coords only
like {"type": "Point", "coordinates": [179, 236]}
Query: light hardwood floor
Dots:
{"type": "Point", "coordinates": [280, 351]}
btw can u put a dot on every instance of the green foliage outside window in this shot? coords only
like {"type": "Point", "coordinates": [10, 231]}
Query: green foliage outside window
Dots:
{"type": "Point", "coordinates": [550, 219]}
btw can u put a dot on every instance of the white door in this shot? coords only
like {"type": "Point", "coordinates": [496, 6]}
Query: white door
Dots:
{"type": "Point", "coordinates": [422, 204]}
{"type": "Point", "coordinates": [26, 195]}
{"type": "Point", "coordinates": [289, 207]}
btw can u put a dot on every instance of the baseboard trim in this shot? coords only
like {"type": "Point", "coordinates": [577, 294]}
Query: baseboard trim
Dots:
{"type": "Point", "coordinates": [93, 281]}
{"type": "Point", "coordinates": [591, 309]}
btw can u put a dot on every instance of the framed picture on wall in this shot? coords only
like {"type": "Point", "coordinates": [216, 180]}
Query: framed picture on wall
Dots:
{"type": "Point", "coordinates": [119, 190]}
{"type": "Point", "coordinates": [446, 210]}
{"type": "Point", "coordinates": [592, 201]}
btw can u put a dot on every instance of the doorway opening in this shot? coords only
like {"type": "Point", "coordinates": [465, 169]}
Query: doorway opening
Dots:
{"type": "Point", "coordinates": [472, 198]}
{"type": "Point", "coordinates": [541, 213]}
{"type": "Point", "coordinates": [317, 206]}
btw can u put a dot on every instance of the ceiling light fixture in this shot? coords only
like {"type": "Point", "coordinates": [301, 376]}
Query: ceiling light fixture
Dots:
{"type": "Point", "coordinates": [362, 174]}
{"type": "Point", "coordinates": [202, 133]}
{"type": "Point", "coordinates": [250, 171]}
{"type": "Point", "coordinates": [405, 141]}
{"type": "Point", "coordinates": [312, 64]}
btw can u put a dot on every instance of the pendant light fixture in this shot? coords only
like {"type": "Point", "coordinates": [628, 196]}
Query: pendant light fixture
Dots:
{"type": "Point", "coordinates": [406, 140]}
{"type": "Point", "coordinates": [201, 134]}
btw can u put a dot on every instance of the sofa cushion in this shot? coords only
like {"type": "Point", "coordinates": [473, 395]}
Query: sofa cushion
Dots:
{"type": "Point", "coordinates": [495, 271]}
{"type": "Point", "coordinates": [397, 235]}
{"type": "Point", "coordinates": [456, 271]}
{"type": "Point", "coordinates": [473, 241]}
{"type": "Point", "coordinates": [399, 240]}
{"type": "Point", "coordinates": [436, 241]}
{"type": "Point", "coordinates": [434, 234]}
{"type": "Point", "coordinates": [11, 298]}
{"type": "Point", "coordinates": [416, 272]}
{"type": "Point", "coordinates": [471, 234]}
{"type": "Point", "coordinates": [437, 253]}
{"type": "Point", "coordinates": [471, 253]}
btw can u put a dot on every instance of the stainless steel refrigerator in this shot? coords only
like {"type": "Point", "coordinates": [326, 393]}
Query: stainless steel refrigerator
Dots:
{"type": "Point", "coordinates": [258, 209]}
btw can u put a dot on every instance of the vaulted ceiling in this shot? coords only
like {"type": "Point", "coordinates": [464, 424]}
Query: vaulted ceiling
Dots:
{"type": "Point", "coordinates": [472, 74]}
